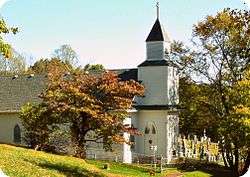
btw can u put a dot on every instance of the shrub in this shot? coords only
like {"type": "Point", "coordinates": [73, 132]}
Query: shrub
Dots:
{"type": "Point", "coordinates": [193, 164]}
{"type": "Point", "coordinates": [36, 131]}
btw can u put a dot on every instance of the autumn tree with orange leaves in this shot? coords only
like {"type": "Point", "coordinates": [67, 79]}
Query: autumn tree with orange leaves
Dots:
{"type": "Point", "coordinates": [96, 103]}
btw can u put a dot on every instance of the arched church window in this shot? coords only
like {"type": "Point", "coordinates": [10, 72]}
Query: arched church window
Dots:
{"type": "Point", "coordinates": [132, 141]}
{"type": "Point", "coordinates": [150, 128]}
{"type": "Point", "coordinates": [153, 129]}
{"type": "Point", "coordinates": [17, 134]}
{"type": "Point", "coordinates": [147, 130]}
{"type": "Point", "coordinates": [132, 138]}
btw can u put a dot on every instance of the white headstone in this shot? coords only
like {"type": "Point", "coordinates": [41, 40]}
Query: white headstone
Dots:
{"type": "Point", "coordinates": [2, 174]}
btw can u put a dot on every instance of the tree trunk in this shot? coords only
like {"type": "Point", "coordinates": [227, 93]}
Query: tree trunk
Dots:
{"type": "Point", "coordinates": [235, 170]}
{"type": "Point", "coordinates": [233, 159]}
{"type": "Point", "coordinates": [246, 165]}
{"type": "Point", "coordinates": [80, 151]}
{"type": "Point", "coordinates": [78, 140]}
{"type": "Point", "coordinates": [224, 158]}
{"type": "Point", "coordinates": [236, 162]}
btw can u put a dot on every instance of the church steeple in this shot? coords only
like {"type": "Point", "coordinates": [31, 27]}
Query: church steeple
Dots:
{"type": "Point", "coordinates": [157, 32]}
{"type": "Point", "coordinates": [157, 42]}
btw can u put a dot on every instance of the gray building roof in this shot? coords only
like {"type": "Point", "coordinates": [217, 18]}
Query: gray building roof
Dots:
{"type": "Point", "coordinates": [126, 74]}
{"type": "Point", "coordinates": [17, 91]}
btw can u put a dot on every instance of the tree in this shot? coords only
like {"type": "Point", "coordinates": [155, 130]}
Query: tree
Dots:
{"type": "Point", "coordinates": [95, 103]}
{"type": "Point", "coordinates": [238, 124]}
{"type": "Point", "coordinates": [37, 121]}
{"type": "Point", "coordinates": [5, 48]}
{"type": "Point", "coordinates": [94, 68]}
{"type": "Point", "coordinates": [66, 54]}
{"type": "Point", "coordinates": [45, 66]}
{"type": "Point", "coordinates": [13, 65]}
{"type": "Point", "coordinates": [194, 114]}
{"type": "Point", "coordinates": [220, 58]}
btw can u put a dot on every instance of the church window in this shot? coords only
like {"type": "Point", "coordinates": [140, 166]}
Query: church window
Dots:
{"type": "Point", "coordinates": [132, 141]}
{"type": "Point", "coordinates": [153, 129]}
{"type": "Point", "coordinates": [132, 138]}
{"type": "Point", "coordinates": [147, 130]}
{"type": "Point", "coordinates": [150, 129]}
{"type": "Point", "coordinates": [17, 134]}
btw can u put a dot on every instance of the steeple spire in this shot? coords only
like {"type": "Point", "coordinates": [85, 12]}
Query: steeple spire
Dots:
{"type": "Point", "coordinates": [157, 32]}
{"type": "Point", "coordinates": [158, 9]}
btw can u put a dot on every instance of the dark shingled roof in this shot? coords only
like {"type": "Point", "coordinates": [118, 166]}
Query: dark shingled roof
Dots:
{"type": "Point", "coordinates": [15, 92]}
{"type": "Point", "coordinates": [155, 63]}
{"type": "Point", "coordinates": [157, 33]}
{"type": "Point", "coordinates": [156, 107]}
{"type": "Point", "coordinates": [126, 74]}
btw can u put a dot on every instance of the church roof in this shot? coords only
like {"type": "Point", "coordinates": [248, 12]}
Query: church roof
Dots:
{"type": "Point", "coordinates": [156, 107]}
{"type": "Point", "coordinates": [155, 63]}
{"type": "Point", "coordinates": [126, 74]}
{"type": "Point", "coordinates": [157, 33]}
{"type": "Point", "coordinates": [17, 91]}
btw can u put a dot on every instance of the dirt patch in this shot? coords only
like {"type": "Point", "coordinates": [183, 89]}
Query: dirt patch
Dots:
{"type": "Point", "coordinates": [176, 174]}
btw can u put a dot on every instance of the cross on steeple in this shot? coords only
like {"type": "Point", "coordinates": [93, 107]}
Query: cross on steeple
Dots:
{"type": "Point", "coordinates": [158, 9]}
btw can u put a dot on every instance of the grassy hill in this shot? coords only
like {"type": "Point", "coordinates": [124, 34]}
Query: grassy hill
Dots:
{"type": "Point", "coordinates": [21, 162]}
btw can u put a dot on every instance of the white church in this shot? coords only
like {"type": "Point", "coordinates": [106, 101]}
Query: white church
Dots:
{"type": "Point", "coordinates": [155, 114]}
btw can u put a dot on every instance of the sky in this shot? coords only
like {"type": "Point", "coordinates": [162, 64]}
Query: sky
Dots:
{"type": "Point", "coordinates": [110, 32]}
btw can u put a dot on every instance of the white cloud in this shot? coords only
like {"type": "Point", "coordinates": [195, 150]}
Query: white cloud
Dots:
{"type": "Point", "coordinates": [2, 2]}
{"type": "Point", "coordinates": [247, 2]}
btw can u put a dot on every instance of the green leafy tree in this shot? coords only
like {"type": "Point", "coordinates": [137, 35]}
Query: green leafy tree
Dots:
{"type": "Point", "coordinates": [5, 49]}
{"type": "Point", "coordinates": [195, 115]}
{"type": "Point", "coordinates": [220, 58]}
{"type": "Point", "coordinates": [45, 66]}
{"type": "Point", "coordinates": [6, 52]}
{"type": "Point", "coordinates": [37, 121]}
{"type": "Point", "coordinates": [94, 68]}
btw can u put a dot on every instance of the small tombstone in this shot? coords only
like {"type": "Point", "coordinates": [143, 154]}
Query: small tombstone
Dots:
{"type": "Point", "coordinates": [152, 172]}
{"type": "Point", "coordinates": [106, 166]}
{"type": "Point", "coordinates": [195, 138]}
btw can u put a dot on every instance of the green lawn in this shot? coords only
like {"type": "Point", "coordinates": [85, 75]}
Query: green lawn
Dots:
{"type": "Point", "coordinates": [21, 162]}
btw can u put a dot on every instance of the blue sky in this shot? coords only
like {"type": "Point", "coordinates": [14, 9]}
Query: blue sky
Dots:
{"type": "Point", "coordinates": [110, 32]}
